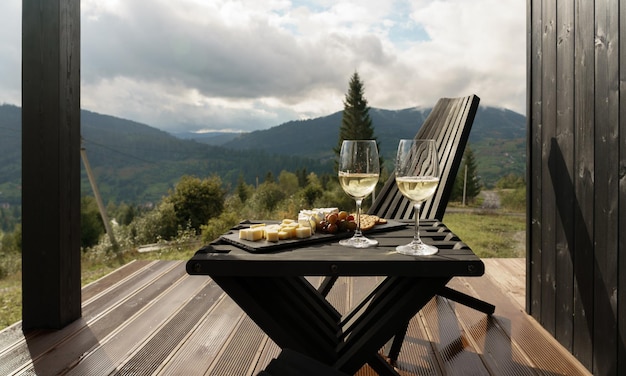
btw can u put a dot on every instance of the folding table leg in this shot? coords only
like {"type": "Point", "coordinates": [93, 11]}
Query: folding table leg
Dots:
{"type": "Point", "coordinates": [381, 366]}
{"type": "Point", "coordinates": [467, 300]}
{"type": "Point", "coordinates": [396, 344]}
{"type": "Point", "coordinates": [396, 301]}
{"type": "Point", "coordinates": [290, 311]}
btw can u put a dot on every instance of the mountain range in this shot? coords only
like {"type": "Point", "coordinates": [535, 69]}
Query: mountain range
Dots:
{"type": "Point", "coordinates": [137, 163]}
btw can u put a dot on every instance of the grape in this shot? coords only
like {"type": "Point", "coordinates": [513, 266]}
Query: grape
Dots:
{"type": "Point", "coordinates": [351, 225]}
{"type": "Point", "coordinates": [342, 225]}
{"type": "Point", "coordinates": [337, 222]}
{"type": "Point", "coordinates": [332, 218]}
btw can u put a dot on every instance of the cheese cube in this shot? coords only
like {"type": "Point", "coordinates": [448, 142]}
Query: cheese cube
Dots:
{"type": "Point", "coordinates": [303, 232]}
{"type": "Point", "coordinates": [290, 229]}
{"type": "Point", "coordinates": [244, 233]}
{"type": "Point", "coordinates": [256, 234]}
{"type": "Point", "coordinates": [271, 235]}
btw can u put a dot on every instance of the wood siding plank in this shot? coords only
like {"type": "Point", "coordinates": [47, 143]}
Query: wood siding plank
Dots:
{"type": "Point", "coordinates": [534, 224]}
{"type": "Point", "coordinates": [584, 86]}
{"type": "Point", "coordinates": [561, 176]}
{"type": "Point", "coordinates": [621, 314]}
{"type": "Point", "coordinates": [606, 187]}
{"type": "Point", "coordinates": [548, 196]}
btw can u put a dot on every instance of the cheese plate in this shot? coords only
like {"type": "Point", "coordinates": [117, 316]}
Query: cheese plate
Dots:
{"type": "Point", "coordinates": [264, 246]}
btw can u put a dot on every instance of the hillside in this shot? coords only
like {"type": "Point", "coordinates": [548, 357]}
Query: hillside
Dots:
{"type": "Point", "coordinates": [136, 163]}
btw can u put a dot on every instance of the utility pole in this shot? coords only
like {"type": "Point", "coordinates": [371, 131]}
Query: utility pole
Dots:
{"type": "Point", "coordinates": [464, 185]}
{"type": "Point", "coordinates": [96, 192]}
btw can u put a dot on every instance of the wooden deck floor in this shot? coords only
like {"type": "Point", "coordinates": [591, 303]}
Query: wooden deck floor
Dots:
{"type": "Point", "coordinates": [151, 318]}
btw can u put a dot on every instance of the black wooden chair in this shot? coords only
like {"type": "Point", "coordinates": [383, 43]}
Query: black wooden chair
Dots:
{"type": "Point", "coordinates": [449, 123]}
{"type": "Point", "coordinates": [292, 363]}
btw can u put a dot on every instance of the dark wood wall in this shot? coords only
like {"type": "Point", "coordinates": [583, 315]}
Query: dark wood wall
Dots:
{"type": "Point", "coordinates": [577, 177]}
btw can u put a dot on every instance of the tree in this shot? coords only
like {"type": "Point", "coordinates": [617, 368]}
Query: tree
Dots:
{"type": "Point", "coordinates": [302, 175]}
{"type": "Point", "coordinates": [288, 182]}
{"type": "Point", "coordinates": [160, 223]}
{"type": "Point", "coordinates": [511, 181]}
{"type": "Point", "coordinates": [471, 185]}
{"type": "Point", "coordinates": [243, 191]}
{"type": "Point", "coordinates": [91, 225]}
{"type": "Point", "coordinates": [268, 195]}
{"type": "Point", "coordinates": [196, 201]}
{"type": "Point", "coordinates": [356, 123]}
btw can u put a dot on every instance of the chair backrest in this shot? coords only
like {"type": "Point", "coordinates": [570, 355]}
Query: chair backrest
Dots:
{"type": "Point", "coordinates": [449, 123]}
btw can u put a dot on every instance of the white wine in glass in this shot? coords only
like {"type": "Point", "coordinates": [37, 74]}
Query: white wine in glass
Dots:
{"type": "Point", "coordinates": [359, 170]}
{"type": "Point", "coordinates": [417, 177]}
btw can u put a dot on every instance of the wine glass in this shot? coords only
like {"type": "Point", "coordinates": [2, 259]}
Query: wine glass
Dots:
{"type": "Point", "coordinates": [359, 169]}
{"type": "Point", "coordinates": [417, 177]}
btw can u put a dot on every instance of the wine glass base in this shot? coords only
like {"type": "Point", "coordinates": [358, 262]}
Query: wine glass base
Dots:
{"type": "Point", "coordinates": [417, 249]}
{"type": "Point", "coordinates": [358, 242]}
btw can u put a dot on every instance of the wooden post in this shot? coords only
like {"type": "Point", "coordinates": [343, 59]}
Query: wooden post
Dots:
{"type": "Point", "coordinates": [51, 296]}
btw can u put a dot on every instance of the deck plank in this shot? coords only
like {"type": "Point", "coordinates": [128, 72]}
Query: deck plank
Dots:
{"type": "Point", "coordinates": [202, 346]}
{"type": "Point", "coordinates": [151, 318]}
{"type": "Point", "coordinates": [510, 275]}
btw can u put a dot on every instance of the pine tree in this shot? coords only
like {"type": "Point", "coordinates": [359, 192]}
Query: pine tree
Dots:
{"type": "Point", "coordinates": [472, 184]}
{"type": "Point", "coordinates": [356, 123]}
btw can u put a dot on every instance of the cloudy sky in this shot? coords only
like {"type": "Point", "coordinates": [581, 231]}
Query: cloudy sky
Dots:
{"type": "Point", "coordinates": [201, 65]}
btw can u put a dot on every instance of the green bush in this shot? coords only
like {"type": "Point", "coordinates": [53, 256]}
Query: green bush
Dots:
{"type": "Point", "coordinates": [513, 199]}
{"type": "Point", "coordinates": [217, 226]}
{"type": "Point", "coordinates": [196, 200]}
{"type": "Point", "coordinates": [160, 223]}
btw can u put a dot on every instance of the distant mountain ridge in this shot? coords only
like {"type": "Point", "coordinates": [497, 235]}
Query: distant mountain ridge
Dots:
{"type": "Point", "coordinates": [498, 137]}
{"type": "Point", "coordinates": [316, 137]}
{"type": "Point", "coordinates": [137, 163]}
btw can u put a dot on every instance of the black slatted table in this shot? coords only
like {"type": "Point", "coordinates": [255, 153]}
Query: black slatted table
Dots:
{"type": "Point", "coordinates": [270, 287]}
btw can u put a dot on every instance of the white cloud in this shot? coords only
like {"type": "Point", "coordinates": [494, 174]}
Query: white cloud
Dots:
{"type": "Point", "coordinates": [248, 64]}
{"type": "Point", "coordinates": [10, 51]}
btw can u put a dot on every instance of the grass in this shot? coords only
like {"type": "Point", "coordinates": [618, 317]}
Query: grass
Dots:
{"type": "Point", "coordinates": [489, 234]}
{"type": "Point", "coordinates": [10, 300]}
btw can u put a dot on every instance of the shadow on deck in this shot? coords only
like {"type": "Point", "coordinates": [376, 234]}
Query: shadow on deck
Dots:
{"type": "Point", "coordinates": [151, 318]}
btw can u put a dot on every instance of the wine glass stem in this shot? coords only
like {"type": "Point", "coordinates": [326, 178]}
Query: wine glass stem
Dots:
{"type": "Point", "coordinates": [357, 232]}
{"type": "Point", "coordinates": [416, 209]}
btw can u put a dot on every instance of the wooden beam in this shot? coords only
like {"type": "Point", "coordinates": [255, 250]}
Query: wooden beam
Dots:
{"type": "Point", "coordinates": [50, 163]}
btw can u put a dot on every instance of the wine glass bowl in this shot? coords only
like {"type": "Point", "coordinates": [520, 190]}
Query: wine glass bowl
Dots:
{"type": "Point", "coordinates": [417, 178]}
{"type": "Point", "coordinates": [358, 172]}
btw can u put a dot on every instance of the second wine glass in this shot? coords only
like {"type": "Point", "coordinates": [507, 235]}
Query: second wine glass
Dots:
{"type": "Point", "coordinates": [359, 170]}
{"type": "Point", "coordinates": [417, 177]}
